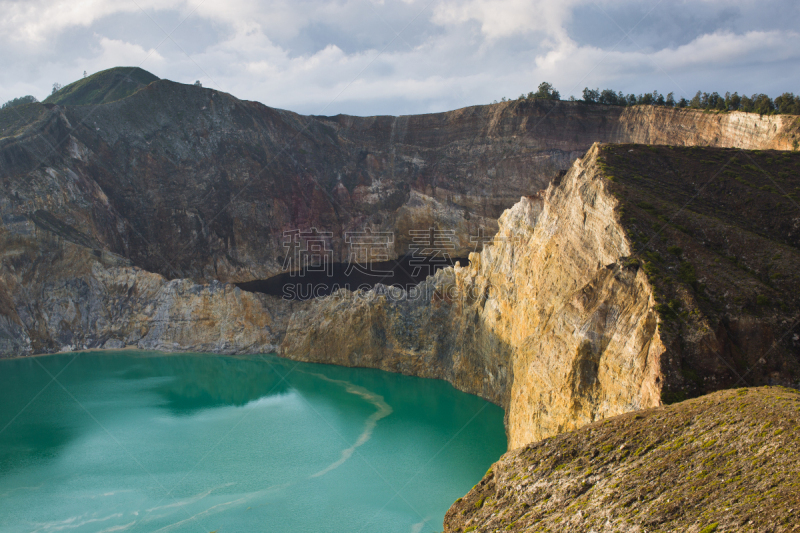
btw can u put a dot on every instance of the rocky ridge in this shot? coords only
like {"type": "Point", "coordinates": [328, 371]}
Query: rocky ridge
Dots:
{"type": "Point", "coordinates": [193, 183]}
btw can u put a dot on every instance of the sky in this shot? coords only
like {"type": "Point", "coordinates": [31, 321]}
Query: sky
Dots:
{"type": "Point", "coordinates": [383, 57]}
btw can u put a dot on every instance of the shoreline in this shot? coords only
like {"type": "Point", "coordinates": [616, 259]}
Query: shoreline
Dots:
{"type": "Point", "coordinates": [133, 347]}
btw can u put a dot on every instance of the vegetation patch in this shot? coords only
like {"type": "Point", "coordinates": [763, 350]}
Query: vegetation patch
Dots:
{"type": "Point", "coordinates": [690, 466]}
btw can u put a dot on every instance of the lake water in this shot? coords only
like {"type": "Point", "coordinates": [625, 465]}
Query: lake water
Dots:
{"type": "Point", "coordinates": [141, 442]}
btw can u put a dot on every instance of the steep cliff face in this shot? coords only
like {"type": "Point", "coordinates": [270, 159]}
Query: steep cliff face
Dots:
{"type": "Point", "coordinates": [59, 296]}
{"type": "Point", "coordinates": [421, 332]}
{"type": "Point", "coordinates": [545, 321]}
{"type": "Point", "coordinates": [576, 313]}
{"type": "Point", "coordinates": [193, 183]}
{"type": "Point", "coordinates": [749, 131]}
{"type": "Point", "coordinates": [581, 325]}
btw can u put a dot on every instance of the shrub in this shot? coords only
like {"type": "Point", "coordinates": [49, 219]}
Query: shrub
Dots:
{"type": "Point", "coordinates": [686, 273]}
{"type": "Point", "coordinates": [19, 101]}
{"type": "Point", "coordinates": [546, 91]}
{"type": "Point", "coordinates": [787, 103]}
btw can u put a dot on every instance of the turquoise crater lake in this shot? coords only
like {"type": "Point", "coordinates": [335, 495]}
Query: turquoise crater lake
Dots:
{"type": "Point", "coordinates": [137, 441]}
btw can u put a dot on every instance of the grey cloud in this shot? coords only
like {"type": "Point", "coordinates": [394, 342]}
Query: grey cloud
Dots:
{"type": "Point", "coordinates": [325, 57]}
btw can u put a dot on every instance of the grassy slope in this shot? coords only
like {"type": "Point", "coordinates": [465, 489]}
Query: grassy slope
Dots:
{"type": "Point", "coordinates": [723, 462]}
{"type": "Point", "coordinates": [717, 233]}
{"type": "Point", "coordinates": [103, 87]}
{"type": "Point", "coordinates": [14, 120]}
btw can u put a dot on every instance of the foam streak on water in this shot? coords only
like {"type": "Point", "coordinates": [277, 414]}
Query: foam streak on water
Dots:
{"type": "Point", "coordinates": [383, 410]}
{"type": "Point", "coordinates": [200, 442]}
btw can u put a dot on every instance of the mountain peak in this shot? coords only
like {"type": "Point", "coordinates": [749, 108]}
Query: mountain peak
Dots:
{"type": "Point", "coordinates": [103, 87]}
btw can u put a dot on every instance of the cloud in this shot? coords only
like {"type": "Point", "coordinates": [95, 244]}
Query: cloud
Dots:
{"type": "Point", "coordinates": [731, 49]}
{"type": "Point", "coordinates": [504, 18]}
{"type": "Point", "coordinates": [36, 21]}
{"type": "Point", "coordinates": [683, 69]}
{"type": "Point", "coordinates": [326, 56]}
{"type": "Point", "coordinates": [116, 52]}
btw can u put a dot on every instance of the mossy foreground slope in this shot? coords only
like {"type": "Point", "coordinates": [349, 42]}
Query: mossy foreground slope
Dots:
{"type": "Point", "coordinates": [723, 462]}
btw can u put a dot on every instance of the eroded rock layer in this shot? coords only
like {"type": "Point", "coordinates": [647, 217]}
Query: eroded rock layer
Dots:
{"type": "Point", "coordinates": [59, 296]}
{"type": "Point", "coordinates": [585, 306]}
{"type": "Point", "coordinates": [192, 183]}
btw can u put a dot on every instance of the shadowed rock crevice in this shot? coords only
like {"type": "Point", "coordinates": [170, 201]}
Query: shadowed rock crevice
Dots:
{"type": "Point", "coordinates": [323, 280]}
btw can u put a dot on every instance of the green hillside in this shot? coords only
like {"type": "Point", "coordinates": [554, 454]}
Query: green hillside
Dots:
{"type": "Point", "coordinates": [14, 120]}
{"type": "Point", "coordinates": [103, 87]}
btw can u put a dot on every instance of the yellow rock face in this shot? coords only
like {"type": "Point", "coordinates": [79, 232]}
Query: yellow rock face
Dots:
{"type": "Point", "coordinates": [582, 330]}
{"type": "Point", "coordinates": [749, 131]}
{"type": "Point", "coordinates": [552, 321]}
{"type": "Point", "coordinates": [544, 322]}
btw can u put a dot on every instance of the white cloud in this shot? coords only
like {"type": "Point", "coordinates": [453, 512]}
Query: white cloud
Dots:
{"type": "Point", "coordinates": [36, 21]}
{"type": "Point", "coordinates": [702, 59]}
{"type": "Point", "coordinates": [728, 48]}
{"type": "Point", "coordinates": [504, 18]}
{"type": "Point", "coordinates": [116, 52]}
{"type": "Point", "coordinates": [320, 56]}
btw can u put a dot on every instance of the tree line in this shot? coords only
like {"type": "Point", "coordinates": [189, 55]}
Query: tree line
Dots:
{"type": "Point", "coordinates": [787, 103]}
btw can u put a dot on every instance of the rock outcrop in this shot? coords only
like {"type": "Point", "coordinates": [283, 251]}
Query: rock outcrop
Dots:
{"type": "Point", "coordinates": [584, 307]}
{"type": "Point", "coordinates": [545, 321]}
{"type": "Point", "coordinates": [723, 462]}
{"type": "Point", "coordinates": [59, 296]}
{"type": "Point", "coordinates": [192, 183]}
